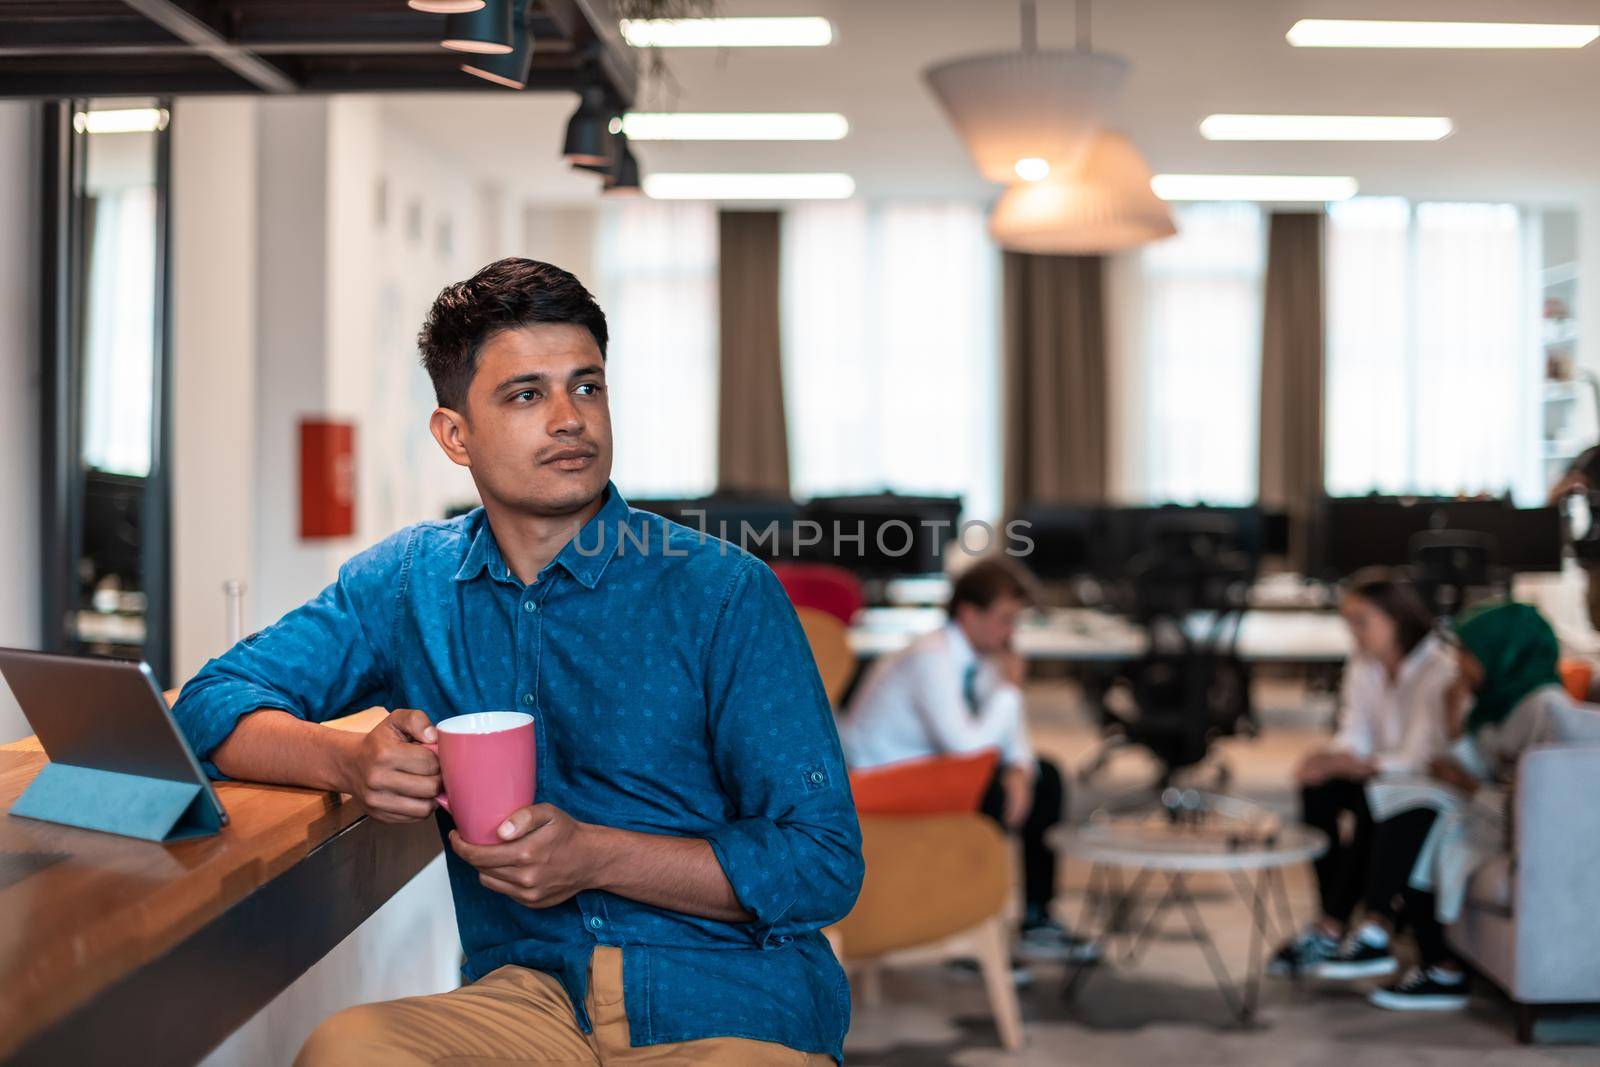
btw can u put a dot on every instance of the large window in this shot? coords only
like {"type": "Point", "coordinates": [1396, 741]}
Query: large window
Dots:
{"type": "Point", "coordinates": [1432, 365]}
{"type": "Point", "coordinates": [657, 268]}
{"type": "Point", "coordinates": [1200, 364]}
{"type": "Point", "coordinates": [891, 351]}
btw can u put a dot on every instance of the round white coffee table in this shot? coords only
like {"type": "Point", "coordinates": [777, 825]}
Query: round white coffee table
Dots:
{"type": "Point", "coordinates": [1127, 853]}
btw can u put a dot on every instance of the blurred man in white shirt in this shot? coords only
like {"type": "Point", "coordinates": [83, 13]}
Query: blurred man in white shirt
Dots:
{"type": "Point", "coordinates": [959, 690]}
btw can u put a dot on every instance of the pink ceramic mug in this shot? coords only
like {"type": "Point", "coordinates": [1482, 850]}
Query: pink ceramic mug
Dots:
{"type": "Point", "coordinates": [486, 760]}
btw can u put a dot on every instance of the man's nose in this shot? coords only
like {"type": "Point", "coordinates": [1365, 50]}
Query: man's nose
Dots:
{"type": "Point", "coordinates": [565, 418]}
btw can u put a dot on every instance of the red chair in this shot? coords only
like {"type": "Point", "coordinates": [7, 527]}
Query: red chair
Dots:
{"type": "Point", "coordinates": [822, 586]}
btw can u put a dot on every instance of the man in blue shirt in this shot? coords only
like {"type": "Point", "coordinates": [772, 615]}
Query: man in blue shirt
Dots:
{"type": "Point", "coordinates": [693, 827]}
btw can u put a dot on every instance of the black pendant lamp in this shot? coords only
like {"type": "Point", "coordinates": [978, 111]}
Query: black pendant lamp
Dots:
{"type": "Point", "coordinates": [510, 69]}
{"type": "Point", "coordinates": [485, 32]}
{"type": "Point", "coordinates": [623, 177]}
{"type": "Point", "coordinates": [588, 130]}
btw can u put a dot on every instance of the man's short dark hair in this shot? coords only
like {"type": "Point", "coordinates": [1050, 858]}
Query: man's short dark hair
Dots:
{"type": "Point", "coordinates": [505, 295]}
{"type": "Point", "coordinates": [987, 581]}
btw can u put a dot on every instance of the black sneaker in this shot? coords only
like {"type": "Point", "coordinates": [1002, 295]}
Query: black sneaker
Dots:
{"type": "Point", "coordinates": [1048, 941]}
{"type": "Point", "coordinates": [1357, 959]}
{"type": "Point", "coordinates": [1420, 990]}
{"type": "Point", "coordinates": [1302, 953]}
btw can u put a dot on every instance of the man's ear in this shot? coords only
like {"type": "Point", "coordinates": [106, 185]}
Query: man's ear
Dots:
{"type": "Point", "coordinates": [450, 430]}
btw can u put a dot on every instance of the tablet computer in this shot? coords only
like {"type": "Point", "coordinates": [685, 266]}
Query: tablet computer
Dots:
{"type": "Point", "coordinates": [104, 715]}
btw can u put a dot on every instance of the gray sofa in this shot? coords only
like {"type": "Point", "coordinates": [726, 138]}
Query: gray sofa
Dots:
{"type": "Point", "coordinates": [1531, 923]}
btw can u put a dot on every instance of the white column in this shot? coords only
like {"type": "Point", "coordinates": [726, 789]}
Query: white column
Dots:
{"type": "Point", "coordinates": [19, 391]}
{"type": "Point", "coordinates": [214, 172]}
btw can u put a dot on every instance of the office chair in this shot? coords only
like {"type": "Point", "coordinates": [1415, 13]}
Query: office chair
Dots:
{"type": "Point", "coordinates": [1450, 566]}
{"type": "Point", "coordinates": [1190, 686]}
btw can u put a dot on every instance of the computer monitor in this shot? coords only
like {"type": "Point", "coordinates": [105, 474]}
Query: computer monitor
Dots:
{"type": "Point", "coordinates": [1356, 532]}
{"type": "Point", "coordinates": [1063, 538]}
{"type": "Point", "coordinates": [899, 535]}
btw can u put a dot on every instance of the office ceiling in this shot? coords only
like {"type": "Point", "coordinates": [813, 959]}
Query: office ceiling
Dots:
{"type": "Point", "coordinates": [1526, 124]}
{"type": "Point", "coordinates": [157, 47]}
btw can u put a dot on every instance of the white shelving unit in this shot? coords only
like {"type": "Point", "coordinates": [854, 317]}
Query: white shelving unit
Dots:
{"type": "Point", "coordinates": [1571, 401]}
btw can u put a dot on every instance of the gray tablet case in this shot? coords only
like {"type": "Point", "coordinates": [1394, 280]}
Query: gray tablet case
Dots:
{"type": "Point", "coordinates": [117, 760]}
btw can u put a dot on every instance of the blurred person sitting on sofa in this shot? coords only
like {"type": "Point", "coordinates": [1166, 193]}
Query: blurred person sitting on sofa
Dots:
{"type": "Point", "coordinates": [1432, 837]}
{"type": "Point", "coordinates": [959, 690]}
{"type": "Point", "coordinates": [1391, 721]}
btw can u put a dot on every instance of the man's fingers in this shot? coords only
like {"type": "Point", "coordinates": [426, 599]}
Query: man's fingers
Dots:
{"type": "Point", "coordinates": [410, 758]}
{"type": "Point", "coordinates": [486, 857]}
{"type": "Point", "coordinates": [525, 821]}
{"type": "Point", "coordinates": [402, 807]}
{"type": "Point", "coordinates": [414, 725]}
{"type": "Point", "coordinates": [423, 786]}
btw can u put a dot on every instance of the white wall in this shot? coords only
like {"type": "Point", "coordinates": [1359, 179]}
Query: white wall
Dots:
{"type": "Point", "coordinates": [19, 391]}
{"type": "Point", "coordinates": [213, 368]}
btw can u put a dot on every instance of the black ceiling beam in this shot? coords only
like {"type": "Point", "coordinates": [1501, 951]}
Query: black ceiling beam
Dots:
{"type": "Point", "coordinates": [180, 21]}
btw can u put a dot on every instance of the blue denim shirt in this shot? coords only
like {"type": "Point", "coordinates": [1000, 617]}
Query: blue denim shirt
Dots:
{"type": "Point", "coordinates": [673, 692]}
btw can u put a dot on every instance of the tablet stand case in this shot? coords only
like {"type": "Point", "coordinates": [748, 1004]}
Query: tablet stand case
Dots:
{"type": "Point", "coordinates": [155, 809]}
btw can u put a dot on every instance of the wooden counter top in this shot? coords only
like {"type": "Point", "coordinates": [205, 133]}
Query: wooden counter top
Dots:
{"type": "Point", "coordinates": [102, 936]}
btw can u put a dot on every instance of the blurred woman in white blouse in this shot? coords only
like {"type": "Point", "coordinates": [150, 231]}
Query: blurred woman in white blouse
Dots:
{"type": "Point", "coordinates": [1392, 721]}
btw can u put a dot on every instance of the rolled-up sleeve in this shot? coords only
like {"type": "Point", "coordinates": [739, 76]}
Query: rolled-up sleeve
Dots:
{"type": "Point", "coordinates": [329, 657]}
{"type": "Point", "coordinates": [792, 850]}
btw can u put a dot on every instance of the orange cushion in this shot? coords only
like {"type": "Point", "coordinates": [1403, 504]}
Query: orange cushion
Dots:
{"type": "Point", "coordinates": [1576, 674]}
{"type": "Point", "coordinates": [929, 785]}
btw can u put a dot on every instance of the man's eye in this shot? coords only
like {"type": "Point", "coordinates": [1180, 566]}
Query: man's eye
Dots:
{"type": "Point", "coordinates": [524, 395]}
{"type": "Point", "coordinates": [589, 388]}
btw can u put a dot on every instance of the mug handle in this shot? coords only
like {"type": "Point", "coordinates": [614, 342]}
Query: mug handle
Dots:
{"type": "Point", "coordinates": [442, 800]}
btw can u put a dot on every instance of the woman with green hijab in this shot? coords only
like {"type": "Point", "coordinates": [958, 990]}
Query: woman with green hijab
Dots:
{"type": "Point", "coordinates": [1509, 699]}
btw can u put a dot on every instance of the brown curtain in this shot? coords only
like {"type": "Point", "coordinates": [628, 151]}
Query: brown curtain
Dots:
{"type": "Point", "coordinates": [1291, 373]}
{"type": "Point", "coordinates": [1056, 389]}
{"type": "Point", "coordinates": [752, 436]}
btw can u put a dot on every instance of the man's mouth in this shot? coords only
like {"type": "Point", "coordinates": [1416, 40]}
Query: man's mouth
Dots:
{"type": "Point", "coordinates": [569, 459]}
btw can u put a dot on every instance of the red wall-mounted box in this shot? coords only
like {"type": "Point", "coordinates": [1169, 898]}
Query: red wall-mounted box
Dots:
{"type": "Point", "coordinates": [327, 478]}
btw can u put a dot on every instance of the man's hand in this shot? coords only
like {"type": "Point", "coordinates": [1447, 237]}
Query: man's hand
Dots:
{"type": "Point", "coordinates": [1011, 667]}
{"type": "Point", "coordinates": [1446, 770]}
{"type": "Point", "coordinates": [392, 772]}
{"type": "Point", "coordinates": [1017, 784]}
{"type": "Point", "coordinates": [544, 859]}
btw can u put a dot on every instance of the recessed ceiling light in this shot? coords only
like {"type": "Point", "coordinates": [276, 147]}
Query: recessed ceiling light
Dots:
{"type": "Point", "coordinates": [1369, 33]}
{"type": "Point", "coordinates": [1032, 169]}
{"type": "Point", "coordinates": [1323, 128]}
{"type": "Point", "coordinates": [801, 32]}
{"type": "Point", "coordinates": [121, 120]}
{"type": "Point", "coordinates": [749, 186]}
{"type": "Point", "coordinates": [1275, 188]}
{"type": "Point", "coordinates": [741, 126]}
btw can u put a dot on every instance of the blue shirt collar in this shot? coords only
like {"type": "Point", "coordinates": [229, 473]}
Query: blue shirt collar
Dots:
{"type": "Point", "coordinates": [584, 557]}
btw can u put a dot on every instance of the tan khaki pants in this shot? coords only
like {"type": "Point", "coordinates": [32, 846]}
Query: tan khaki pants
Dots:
{"type": "Point", "coordinates": [517, 1015]}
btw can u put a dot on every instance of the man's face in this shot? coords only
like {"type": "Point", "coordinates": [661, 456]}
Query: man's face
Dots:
{"type": "Point", "coordinates": [536, 431]}
{"type": "Point", "coordinates": [990, 630]}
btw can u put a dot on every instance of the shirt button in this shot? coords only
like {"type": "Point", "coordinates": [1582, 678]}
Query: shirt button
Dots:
{"type": "Point", "coordinates": [816, 777]}
{"type": "Point", "coordinates": [596, 922]}
{"type": "Point", "coordinates": [529, 606]}
{"type": "Point", "coordinates": [527, 698]}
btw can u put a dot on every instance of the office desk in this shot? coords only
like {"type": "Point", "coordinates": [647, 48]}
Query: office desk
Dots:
{"type": "Point", "coordinates": [1084, 635]}
{"type": "Point", "coordinates": [118, 950]}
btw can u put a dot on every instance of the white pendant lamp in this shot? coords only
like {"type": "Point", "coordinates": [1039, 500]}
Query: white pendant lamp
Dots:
{"type": "Point", "coordinates": [1105, 205]}
{"type": "Point", "coordinates": [1028, 105]}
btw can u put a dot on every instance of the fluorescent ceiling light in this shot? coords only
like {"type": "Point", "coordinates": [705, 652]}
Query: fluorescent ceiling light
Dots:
{"type": "Point", "coordinates": [1365, 33]}
{"type": "Point", "coordinates": [1275, 188]}
{"type": "Point", "coordinates": [804, 32]}
{"type": "Point", "coordinates": [743, 126]}
{"type": "Point", "coordinates": [1323, 128]}
{"type": "Point", "coordinates": [749, 186]}
{"type": "Point", "coordinates": [121, 120]}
